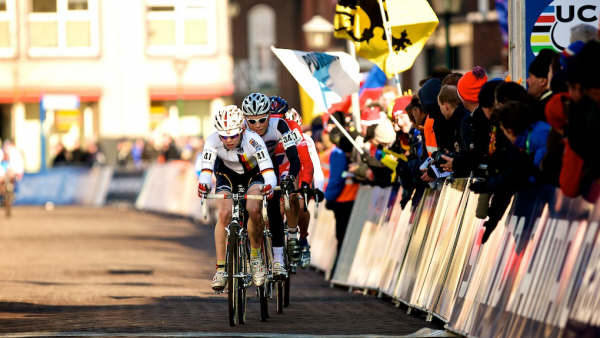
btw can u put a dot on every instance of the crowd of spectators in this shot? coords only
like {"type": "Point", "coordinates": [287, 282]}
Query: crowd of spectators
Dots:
{"type": "Point", "coordinates": [131, 154]}
{"type": "Point", "coordinates": [88, 155]}
{"type": "Point", "coordinates": [511, 142]}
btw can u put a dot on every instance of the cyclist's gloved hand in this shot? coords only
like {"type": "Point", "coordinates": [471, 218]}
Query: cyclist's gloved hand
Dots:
{"type": "Point", "coordinates": [267, 190]}
{"type": "Point", "coordinates": [289, 183]}
{"type": "Point", "coordinates": [319, 195]}
{"type": "Point", "coordinates": [203, 189]}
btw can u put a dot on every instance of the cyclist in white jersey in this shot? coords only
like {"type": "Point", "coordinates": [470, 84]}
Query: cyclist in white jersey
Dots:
{"type": "Point", "coordinates": [236, 157]}
{"type": "Point", "coordinates": [273, 130]}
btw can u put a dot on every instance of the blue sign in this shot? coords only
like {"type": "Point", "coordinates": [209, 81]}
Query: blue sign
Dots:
{"type": "Point", "coordinates": [59, 186]}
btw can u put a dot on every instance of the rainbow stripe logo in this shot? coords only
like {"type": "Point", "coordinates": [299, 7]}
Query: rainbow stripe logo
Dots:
{"type": "Point", "coordinates": [541, 35]}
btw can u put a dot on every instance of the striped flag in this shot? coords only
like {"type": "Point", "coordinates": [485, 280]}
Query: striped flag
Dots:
{"type": "Point", "coordinates": [541, 37]}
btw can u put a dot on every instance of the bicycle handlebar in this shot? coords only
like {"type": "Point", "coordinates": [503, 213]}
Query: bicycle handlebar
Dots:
{"type": "Point", "coordinates": [228, 196]}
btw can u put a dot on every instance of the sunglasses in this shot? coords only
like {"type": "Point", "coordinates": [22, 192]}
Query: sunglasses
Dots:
{"type": "Point", "coordinates": [225, 138]}
{"type": "Point", "coordinates": [261, 120]}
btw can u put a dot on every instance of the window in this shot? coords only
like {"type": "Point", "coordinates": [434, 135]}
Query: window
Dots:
{"type": "Point", "coordinates": [181, 26]}
{"type": "Point", "coordinates": [8, 28]}
{"type": "Point", "coordinates": [261, 36]}
{"type": "Point", "coordinates": [63, 28]}
{"type": "Point", "coordinates": [44, 6]}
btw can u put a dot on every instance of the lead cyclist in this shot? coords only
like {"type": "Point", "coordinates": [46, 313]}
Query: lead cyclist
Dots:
{"type": "Point", "coordinates": [237, 157]}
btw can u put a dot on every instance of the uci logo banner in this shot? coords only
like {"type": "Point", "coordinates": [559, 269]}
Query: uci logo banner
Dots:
{"type": "Point", "coordinates": [361, 21]}
{"type": "Point", "coordinates": [552, 28]}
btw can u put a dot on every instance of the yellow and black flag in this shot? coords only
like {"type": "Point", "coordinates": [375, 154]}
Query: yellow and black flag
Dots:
{"type": "Point", "coordinates": [412, 22]}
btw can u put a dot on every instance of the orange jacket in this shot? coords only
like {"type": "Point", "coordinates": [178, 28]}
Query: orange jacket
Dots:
{"type": "Point", "coordinates": [430, 141]}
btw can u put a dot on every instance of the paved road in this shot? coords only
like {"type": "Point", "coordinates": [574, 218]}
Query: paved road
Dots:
{"type": "Point", "coordinates": [120, 271]}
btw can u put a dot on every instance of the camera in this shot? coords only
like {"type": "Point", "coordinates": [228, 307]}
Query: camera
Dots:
{"type": "Point", "coordinates": [438, 160]}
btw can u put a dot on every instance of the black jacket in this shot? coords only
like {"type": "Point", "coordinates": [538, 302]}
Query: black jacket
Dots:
{"type": "Point", "coordinates": [475, 134]}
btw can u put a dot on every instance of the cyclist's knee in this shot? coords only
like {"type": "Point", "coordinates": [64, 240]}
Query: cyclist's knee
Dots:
{"type": "Point", "coordinates": [224, 216]}
{"type": "Point", "coordinates": [254, 209]}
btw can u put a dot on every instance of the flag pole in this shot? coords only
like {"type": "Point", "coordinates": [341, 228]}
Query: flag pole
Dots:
{"type": "Point", "coordinates": [388, 34]}
{"type": "Point", "coordinates": [339, 125]}
{"type": "Point", "coordinates": [355, 98]}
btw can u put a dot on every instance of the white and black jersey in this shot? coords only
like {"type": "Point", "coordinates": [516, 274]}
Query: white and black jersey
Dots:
{"type": "Point", "coordinates": [249, 158]}
{"type": "Point", "coordinates": [279, 132]}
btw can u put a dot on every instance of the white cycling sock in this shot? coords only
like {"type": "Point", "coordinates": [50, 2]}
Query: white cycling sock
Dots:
{"type": "Point", "coordinates": [278, 254]}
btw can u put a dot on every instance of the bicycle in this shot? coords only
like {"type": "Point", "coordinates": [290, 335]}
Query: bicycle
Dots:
{"type": "Point", "coordinates": [7, 195]}
{"type": "Point", "coordinates": [237, 262]}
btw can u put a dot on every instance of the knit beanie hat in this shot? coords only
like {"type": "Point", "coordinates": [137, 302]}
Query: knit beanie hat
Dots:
{"type": "Point", "coordinates": [470, 84]}
{"type": "Point", "coordinates": [487, 94]}
{"type": "Point", "coordinates": [428, 95]}
{"type": "Point", "coordinates": [384, 132]}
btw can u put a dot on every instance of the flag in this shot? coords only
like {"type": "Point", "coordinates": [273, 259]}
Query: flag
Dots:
{"type": "Point", "coordinates": [502, 10]}
{"type": "Point", "coordinates": [375, 79]}
{"type": "Point", "coordinates": [412, 24]}
{"type": "Point", "coordinates": [325, 77]}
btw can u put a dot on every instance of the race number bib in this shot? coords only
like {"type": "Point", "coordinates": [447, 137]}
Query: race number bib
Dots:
{"type": "Point", "coordinates": [288, 140]}
{"type": "Point", "coordinates": [261, 155]}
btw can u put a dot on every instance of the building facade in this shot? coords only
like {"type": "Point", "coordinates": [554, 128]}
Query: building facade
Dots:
{"type": "Point", "coordinates": [137, 68]}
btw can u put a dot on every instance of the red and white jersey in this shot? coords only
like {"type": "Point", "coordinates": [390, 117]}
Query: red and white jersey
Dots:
{"type": "Point", "coordinates": [318, 176]}
{"type": "Point", "coordinates": [306, 170]}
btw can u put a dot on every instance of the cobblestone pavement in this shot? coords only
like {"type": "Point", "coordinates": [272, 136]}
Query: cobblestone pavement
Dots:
{"type": "Point", "coordinates": [108, 270]}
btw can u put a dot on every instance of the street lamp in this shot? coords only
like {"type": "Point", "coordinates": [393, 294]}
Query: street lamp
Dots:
{"type": "Point", "coordinates": [317, 32]}
{"type": "Point", "coordinates": [180, 62]}
{"type": "Point", "coordinates": [447, 8]}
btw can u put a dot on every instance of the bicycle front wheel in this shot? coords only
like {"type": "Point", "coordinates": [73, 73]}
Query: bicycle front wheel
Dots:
{"type": "Point", "coordinates": [242, 291]}
{"type": "Point", "coordinates": [286, 291]}
{"type": "Point", "coordinates": [232, 282]}
{"type": "Point", "coordinates": [280, 295]}
{"type": "Point", "coordinates": [264, 302]}
{"type": "Point", "coordinates": [8, 198]}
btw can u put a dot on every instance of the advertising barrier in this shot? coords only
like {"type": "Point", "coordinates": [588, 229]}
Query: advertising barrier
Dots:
{"type": "Point", "coordinates": [125, 186]}
{"type": "Point", "coordinates": [65, 186]}
{"type": "Point", "coordinates": [535, 276]}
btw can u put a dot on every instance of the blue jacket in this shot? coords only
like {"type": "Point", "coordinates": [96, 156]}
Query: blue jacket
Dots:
{"type": "Point", "coordinates": [338, 163]}
{"type": "Point", "coordinates": [534, 140]}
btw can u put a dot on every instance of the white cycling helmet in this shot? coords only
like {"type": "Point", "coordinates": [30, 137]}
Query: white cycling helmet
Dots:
{"type": "Point", "coordinates": [229, 120]}
{"type": "Point", "coordinates": [256, 104]}
{"type": "Point", "coordinates": [293, 115]}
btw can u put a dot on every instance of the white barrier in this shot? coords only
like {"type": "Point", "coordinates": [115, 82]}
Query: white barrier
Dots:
{"type": "Point", "coordinates": [321, 237]}
{"type": "Point", "coordinates": [533, 277]}
{"type": "Point", "coordinates": [170, 188]}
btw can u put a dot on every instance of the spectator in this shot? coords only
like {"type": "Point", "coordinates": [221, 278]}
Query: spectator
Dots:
{"type": "Point", "coordinates": [528, 137]}
{"type": "Point", "coordinates": [583, 77]}
{"type": "Point", "coordinates": [340, 192]}
{"type": "Point", "coordinates": [60, 156]}
{"type": "Point", "coordinates": [473, 127]}
{"type": "Point", "coordinates": [455, 113]}
{"type": "Point", "coordinates": [583, 32]}
{"type": "Point", "coordinates": [452, 79]}
{"type": "Point", "coordinates": [434, 121]}
{"type": "Point", "coordinates": [538, 84]}
{"type": "Point", "coordinates": [170, 151]}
